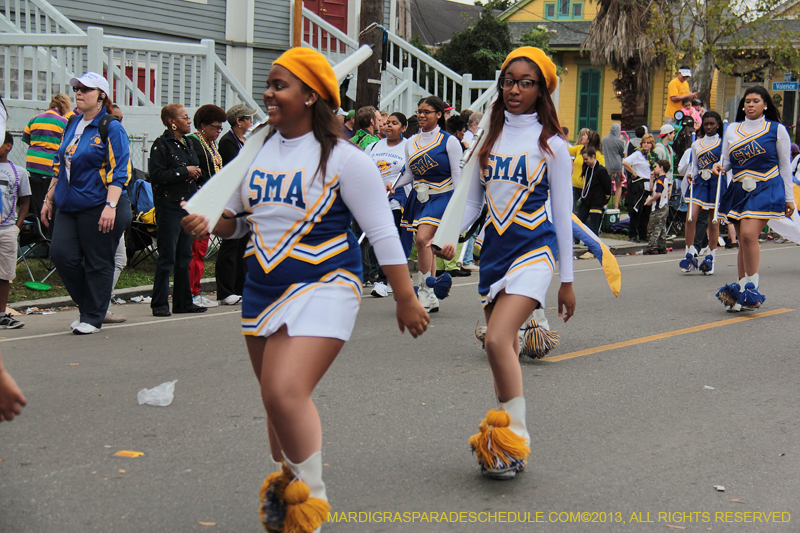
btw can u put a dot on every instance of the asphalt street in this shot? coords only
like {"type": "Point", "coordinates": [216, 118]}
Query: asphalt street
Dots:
{"type": "Point", "coordinates": [628, 434]}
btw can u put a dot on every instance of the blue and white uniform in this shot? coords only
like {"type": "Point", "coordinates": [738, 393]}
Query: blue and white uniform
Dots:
{"type": "Point", "coordinates": [520, 244]}
{"type": "Point", "coordinates": [303, 262]}
{"type": "Point", "coordinates": [433, 166]}
{"type": "Point", "coordinates": [390, 161]}
{"type": "Point", "coordinates": [758, 153]}
{"type": "Point", "coordinates": [706, 152]}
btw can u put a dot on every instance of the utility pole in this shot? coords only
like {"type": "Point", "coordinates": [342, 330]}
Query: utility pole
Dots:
{"type": "Point", "coordinates": [297, 23]}
{"type": "Point", "coordinates": [369, 73]}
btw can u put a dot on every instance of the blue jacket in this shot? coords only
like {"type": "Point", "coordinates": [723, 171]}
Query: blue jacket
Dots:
{"type": "Point", "coordinates": [94, 165]}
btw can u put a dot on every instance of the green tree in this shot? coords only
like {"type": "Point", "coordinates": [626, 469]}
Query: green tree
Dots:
{"type": "Point", "coordinates": [479, 49]}
{"type": "Point", "coordinates": [539, 37]}
{"type": "Point", "coordinates": [737, 38]}
{"type": "Point", "coordinates": [622, 35]}
{"type": "Point", "coordinates": [500, 5]}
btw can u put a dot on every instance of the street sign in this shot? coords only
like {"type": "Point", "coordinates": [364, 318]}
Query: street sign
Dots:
{"type": "Point", "coordinates": [785, 85]}
{"type": "Point", "coordinates": [787, 76]}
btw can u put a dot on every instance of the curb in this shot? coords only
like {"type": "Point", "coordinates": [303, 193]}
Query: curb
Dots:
{"type": "Point", "coordinates": [206, 284]}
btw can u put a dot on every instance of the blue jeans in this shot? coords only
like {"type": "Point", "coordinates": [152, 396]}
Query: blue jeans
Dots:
{"type": "Point", "coordinates": [174, 253]}
{"type": "Point", "coordinates": [84, 257]}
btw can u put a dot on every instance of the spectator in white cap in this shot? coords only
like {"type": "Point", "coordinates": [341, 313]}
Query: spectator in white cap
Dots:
{"type": "Point", "coordinates": [665, 151]}
{"type": "Point", "coordinates": [677, 90]}
{"type": "Point", "coordinates": [94, 168]}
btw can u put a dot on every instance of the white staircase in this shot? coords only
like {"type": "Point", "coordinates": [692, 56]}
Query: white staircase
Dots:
{"type": "Point", "coordinates": [41, 50]}
{"type": "Point", "coordinates": [410, 74]}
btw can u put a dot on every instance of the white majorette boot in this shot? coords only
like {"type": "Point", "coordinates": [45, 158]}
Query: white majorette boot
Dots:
{"type": "Point", "coordinates": [689, 264]}
{"type": "Point", "coordinates": [729, 295]}
{"type": "Point", "coordinates": [425, 294]}
{"type": "Point", "coordinates": [750, 298]}
{"type": "Point", "coordinates": [502, 444]}
{"type": "Point", "coordinates": [307, 504]}
{"type": "Point", "coordinates": [707, 266]}
{"type": "Point", "coordinates": [535, 338]}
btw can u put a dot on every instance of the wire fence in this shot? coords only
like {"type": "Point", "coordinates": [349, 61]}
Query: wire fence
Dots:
{"type": "Point", "coordinates": [139, 148]}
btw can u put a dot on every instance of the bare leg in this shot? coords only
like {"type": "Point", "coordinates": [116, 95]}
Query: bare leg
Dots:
{"type": "Point", "coordinates": [290, 368]}
{"type": "Point", "coordinates": [713, 231]}
{"type": "Point", "coordinates": [691, 225]}
{"type": "Point", "coordinates": [503, 320]}
{"type": "Point", "coordinates": [618, 192]}
{"type": "Point", "coordinates": [739, 256]}
{"type": "Point", "coordinates": [749, 250]}
{"type": "Point", "coordinates": [425, 257]}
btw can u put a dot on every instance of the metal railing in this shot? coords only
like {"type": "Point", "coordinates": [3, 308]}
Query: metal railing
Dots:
{"type": "Point", "coordinates": [410, 73]}
{"type": "Point", "coordinates": [140, 72]}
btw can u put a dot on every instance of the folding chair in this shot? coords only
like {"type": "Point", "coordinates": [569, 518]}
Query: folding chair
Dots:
{"type": "Point", "coordinates": [214, 242]}
{"type": "Point", "coordinates": [140, 242]}
{"type": "Point", "coordinates": [33, 243]}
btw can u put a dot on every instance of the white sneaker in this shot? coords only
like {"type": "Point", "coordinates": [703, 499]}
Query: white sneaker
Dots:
{"type": "Point", "coordinates": [472, 266]}
{"type": "Point", "coordinates": [233, 299]}
{"type": "Point", "coordinates": [380, 290]}
{"type": "Point", "coordinates": [84, 329]}
{"type": "Point", "coordinates": [74, 323]}
{"type": "Point", "coordinates": [202, 301]}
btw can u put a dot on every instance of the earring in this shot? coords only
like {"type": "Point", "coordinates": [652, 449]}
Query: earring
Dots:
{"type": "Point", "coordinates": [174, 127]}
{"type": "Point", "coordinates": [99, 105]}
{"type": "Point", "coordinates": [765, 108]}
{"type": "Point", "coordinates": [308, 104]}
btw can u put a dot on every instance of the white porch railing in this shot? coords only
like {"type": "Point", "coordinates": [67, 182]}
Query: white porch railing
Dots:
{"type": "Point", "coordinates": [140, 72]}
{"type": "Point", "coordinates": [35, 16]}
{"type": "Point", "coordinates": [409, 75]}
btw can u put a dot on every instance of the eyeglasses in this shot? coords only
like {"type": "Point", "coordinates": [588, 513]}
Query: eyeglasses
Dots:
{"type": "Point", "coordinates": [425, 112]}
{"type": "Point", "coordinates": [524, 84]}
{"type": "Point", "coordinates": [218, 128]}
{"type": "Point", "coordinates": [84, 89]}
{"type": "Point", "coordinates": [185, 117]}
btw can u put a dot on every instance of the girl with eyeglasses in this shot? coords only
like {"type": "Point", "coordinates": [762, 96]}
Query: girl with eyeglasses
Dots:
{"type": "Point", "coordinates": [523, 161]}
{"type": "Point", "coordinates": [756, 148]}
{"type": "Point", "coordinates": [208, 120]}
{"type": "Point", "coordinates": [433, 159]}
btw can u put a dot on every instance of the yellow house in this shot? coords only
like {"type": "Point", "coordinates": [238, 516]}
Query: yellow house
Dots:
{"type": "Point", "coordinates": [586, 95]}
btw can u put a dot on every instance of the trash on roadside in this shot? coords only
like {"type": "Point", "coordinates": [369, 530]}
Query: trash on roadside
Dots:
{"type": "Point", "coordinates": [128, 453]}
{"type": "Point", "coordinates": [141, 299]}
{"type": "Point", "coordinates": [736, 501]}
{"type": "Point", "coordinates": [47, 313]}
{"type": "Point", "coordinates": [720, 488]}
{"type": "Point", "coordinates": [160, 396]}
{"type": "Point", "coordinates": [31, 310]}
{"type": "Point", "coordinates": [708, 387]}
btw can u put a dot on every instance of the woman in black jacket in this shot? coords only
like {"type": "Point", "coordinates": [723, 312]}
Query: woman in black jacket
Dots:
{"type": "Point", "coordinates": [174, 171]}
{"type": "Point", "coordinates": [208, 121]}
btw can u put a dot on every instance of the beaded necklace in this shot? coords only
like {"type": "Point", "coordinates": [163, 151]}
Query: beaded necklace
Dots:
{"type": "Point", "coordinates": [8, 217]}
{"type": "Point", "coordinates": [211, 149]}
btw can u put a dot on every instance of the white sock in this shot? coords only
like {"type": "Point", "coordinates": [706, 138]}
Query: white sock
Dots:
{"type": "Point", "coordinates": [743, 281]}
{"type": "Point", "coordinates": [713, 253]}
{"type": "Point", "coordinates": [754, 279]}
{"type": "Point", "coordinates": [310, 473]}
{"type": "Point", "coordinates": [691, 250]}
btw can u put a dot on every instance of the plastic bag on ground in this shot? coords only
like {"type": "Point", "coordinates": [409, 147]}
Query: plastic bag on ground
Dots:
{"type": "Point", "coordinates": [160, 396]}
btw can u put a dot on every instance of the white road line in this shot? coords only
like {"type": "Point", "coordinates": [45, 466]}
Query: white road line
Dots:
{"type": "Point", "coordinates": [647, 263]}
{"type": "Point", "coordinates": [131, 325]}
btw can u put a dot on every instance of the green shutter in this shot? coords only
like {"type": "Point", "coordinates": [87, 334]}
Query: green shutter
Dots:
{"type": "Point", "coordinates": [589, 99]}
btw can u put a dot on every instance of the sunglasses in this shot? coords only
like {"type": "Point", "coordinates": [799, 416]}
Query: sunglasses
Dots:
{"type": "Point", "coordinates": [84, 89]}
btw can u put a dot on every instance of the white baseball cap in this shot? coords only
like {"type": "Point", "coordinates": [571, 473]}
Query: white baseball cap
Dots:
{"type": "Point", "coordinates": [666, 129]}
{"type": "Point", "coordinates": [91, 79]}
{"type": "Point", "coordinates": [685, 72]}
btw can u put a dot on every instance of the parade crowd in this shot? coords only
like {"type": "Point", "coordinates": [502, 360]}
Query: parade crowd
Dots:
{"type": "Point", "coordinates": [337, 200]}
